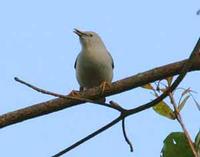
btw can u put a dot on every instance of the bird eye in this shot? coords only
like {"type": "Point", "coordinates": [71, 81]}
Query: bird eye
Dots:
{"type": "Point", "coordinates": [91, 35]}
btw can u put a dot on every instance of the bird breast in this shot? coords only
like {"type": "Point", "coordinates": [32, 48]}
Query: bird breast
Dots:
{"type": "Point", "coordinates": [93, 68]}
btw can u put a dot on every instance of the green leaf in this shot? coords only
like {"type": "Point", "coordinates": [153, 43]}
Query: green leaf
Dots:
{"type": "Point", "coordinates": [197, 143]}
{"type": "Point", "coordinates": [163, 109]}
{"type": "Point", "coordinates": [176, 145]}
{"type": "Point", "coordinates": [181, 105]}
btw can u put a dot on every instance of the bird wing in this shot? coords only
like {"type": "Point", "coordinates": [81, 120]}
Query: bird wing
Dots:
{"type": "Point", "coordinates": [112, 62]}
{"type": "Point", "coordinates": [75, 63]}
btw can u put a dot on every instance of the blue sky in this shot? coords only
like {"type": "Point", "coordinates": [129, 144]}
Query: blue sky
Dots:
{"type": "Point", "coordinates": [37, 44]}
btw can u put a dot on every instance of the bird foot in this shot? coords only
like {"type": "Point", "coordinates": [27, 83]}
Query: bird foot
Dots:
{"type": "Point", "coordinates": [74, 93]}
{"type": "Point", "coordinates": [103, 86]}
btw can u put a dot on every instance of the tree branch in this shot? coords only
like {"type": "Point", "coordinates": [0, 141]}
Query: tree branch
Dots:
{"type": "Point", "coordinates": [94, 93]}
{"type": "Point", "coordinates": [111, 105]}
{"type": "Point", "coordinates": [125, 135]}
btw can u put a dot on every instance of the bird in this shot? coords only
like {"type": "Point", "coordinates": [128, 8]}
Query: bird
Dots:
{"type": "Point", "coordinates": [94, 64]}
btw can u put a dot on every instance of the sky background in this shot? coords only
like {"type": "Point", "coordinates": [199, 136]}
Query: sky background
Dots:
{"type": "Point", "coordinates": [37, 44]}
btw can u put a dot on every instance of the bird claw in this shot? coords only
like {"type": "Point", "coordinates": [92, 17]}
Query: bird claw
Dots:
{"type": "Point", "coordinates": [103, 86]}
{"type": "Point", "coordinates": [74, 93]}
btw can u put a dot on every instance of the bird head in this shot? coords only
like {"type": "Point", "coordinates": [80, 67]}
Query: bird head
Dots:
{"type": "Point", "coordinates": [89, 39]}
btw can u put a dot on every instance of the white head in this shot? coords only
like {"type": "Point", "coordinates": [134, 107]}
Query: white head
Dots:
{"type": "Point", "coordinates": [89, 39]}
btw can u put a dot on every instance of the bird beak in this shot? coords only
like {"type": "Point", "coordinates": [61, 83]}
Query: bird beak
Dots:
{"type": "Point", "coordinates": [78, 32]}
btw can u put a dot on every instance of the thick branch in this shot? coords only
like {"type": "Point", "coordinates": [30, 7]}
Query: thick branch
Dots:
{"type": "Point", "coordinates": [116, 87]}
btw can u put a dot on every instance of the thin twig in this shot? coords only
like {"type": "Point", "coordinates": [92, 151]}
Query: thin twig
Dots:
{"type": "Point", "coordinates": [88, 137]}
{"type": "Point", "coordinates": [179, 119]}
{"type": "Point", "coordinates": [119, 108]}
{"type": "Point", "coordinates": [125, 135]}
